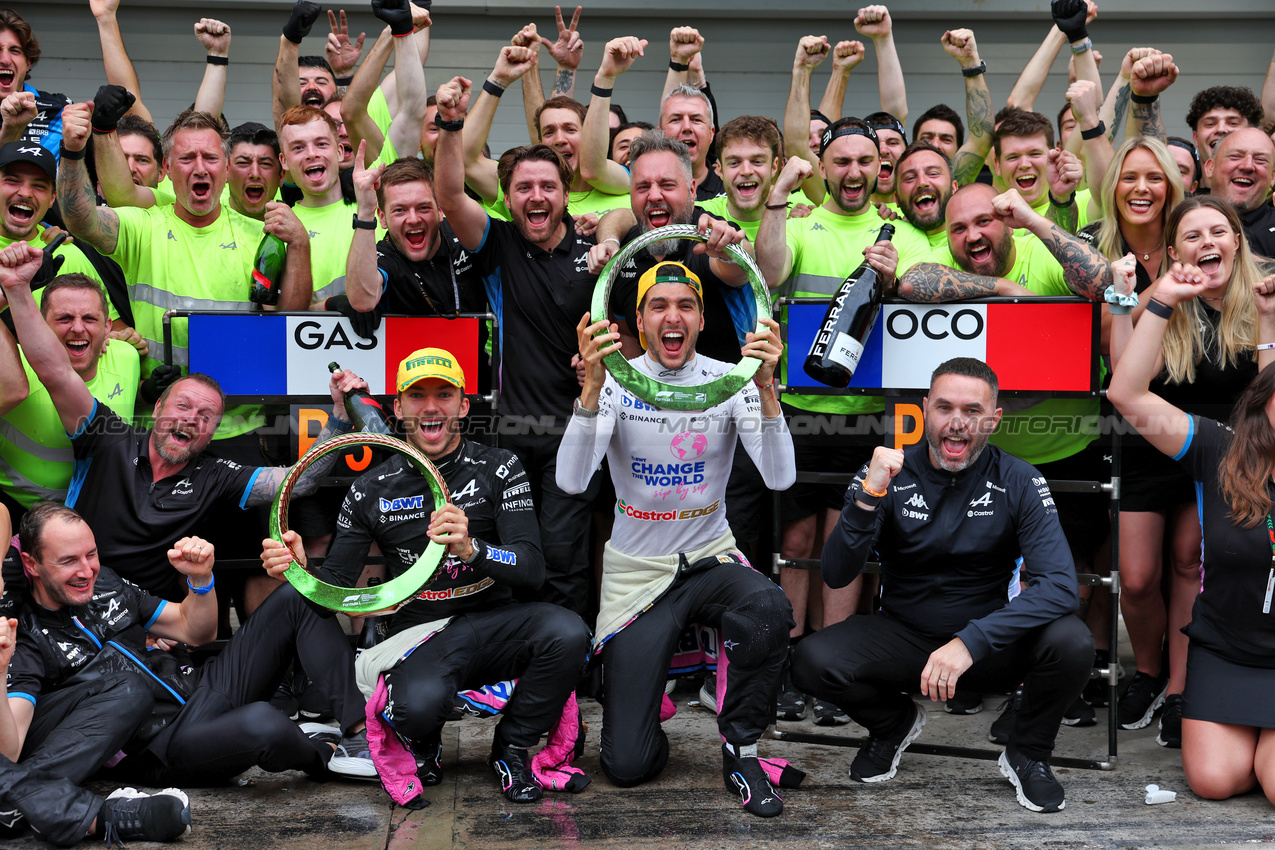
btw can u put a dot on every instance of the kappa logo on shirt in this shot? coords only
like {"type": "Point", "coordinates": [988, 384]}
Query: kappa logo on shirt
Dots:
{"type": "Point", "coordinates": [314, 234]}
{"type": "Point", "coordinates": [171, 236]}
{"type": "Point", "coordinates": [917, 501]}
{"type": "Point", "coordinates": [818, 226]}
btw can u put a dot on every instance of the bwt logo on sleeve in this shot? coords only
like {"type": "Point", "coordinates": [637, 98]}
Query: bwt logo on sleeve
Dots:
{"type": "Point", "coordinates": [502, 556]}
{"type": "Point", "coordinates": [405, 503]}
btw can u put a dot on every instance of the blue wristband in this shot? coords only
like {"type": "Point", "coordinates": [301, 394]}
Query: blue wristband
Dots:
{"type": "Point", "coordinates": [200, 591]}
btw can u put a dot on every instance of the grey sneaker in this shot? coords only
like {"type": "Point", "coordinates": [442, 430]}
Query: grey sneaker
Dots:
{"type": "Point", "coordinates": [129, 814]}
{"type": "Point", "coordinates": [353, 758]}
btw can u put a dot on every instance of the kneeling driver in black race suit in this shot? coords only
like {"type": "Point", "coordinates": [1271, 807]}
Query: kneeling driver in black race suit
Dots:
{"type": "Point", "coordinates": [463, 630]}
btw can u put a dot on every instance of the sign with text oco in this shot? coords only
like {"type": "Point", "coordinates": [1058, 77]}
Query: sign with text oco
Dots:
{"type": "Point", "coordinates": [282, 355]}
{"type": "Point", "coordinates": [1033, 345]}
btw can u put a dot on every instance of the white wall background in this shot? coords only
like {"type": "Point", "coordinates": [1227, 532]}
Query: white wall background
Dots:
{"type": "Point", "coordinates": [748, 56]}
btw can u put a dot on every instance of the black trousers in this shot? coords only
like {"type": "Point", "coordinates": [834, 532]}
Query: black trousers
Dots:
{"type": "Point", "coordinates": [754, 618]}
{"type": "Point", "coordinates": [868, 664]}
{"type": "Point", "coordinates": [57, 809]}
{"type": "Point", "coordinates": [76, 729]}
{"type": "Point", "coordinates": [228, 724]}
{"type": "Point", "coordinates": [73, 732]}
{"type": "Point", "coordinates": [543, 646]}
{"type": "Point", "coordinates": [565, 521]}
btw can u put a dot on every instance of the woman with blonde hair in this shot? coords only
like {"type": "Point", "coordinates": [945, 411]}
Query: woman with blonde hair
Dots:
{"type": "Point", "coordinates": [1229, 701]}
{"type": "Point", "coordinates": [1204, 362]}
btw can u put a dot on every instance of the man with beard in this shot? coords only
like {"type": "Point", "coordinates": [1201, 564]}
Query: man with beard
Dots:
{"type": "Point", "coordinates": [948, 519]}
{"type": "Point", "coordinates": [663, 193]}
{"type": "Point", "coordinates": [139, 489]}
{"type": "Point", "coordinates": [1241, 171]}
{"type": "Point", "coordinates": [923, 186]}
{"type": "Point", "coordinates": [536, 277]}
{"type": "Point", "coordinates": [673, 561]}
{"type": "Point", "coordinates": [316, 83]}
{"type": "Point", "coordinates": [1217, 111]}
{"type": "Point", "coordinates": [831, 433]}
{"type": "Point", "coordinates": [988, 256]}
{"type": "Point", "coordinates": [35, 452]}
{"type": "Point", "coordinates": [560, 123]}
{"type": "Point", "coordinates": [465, 630]}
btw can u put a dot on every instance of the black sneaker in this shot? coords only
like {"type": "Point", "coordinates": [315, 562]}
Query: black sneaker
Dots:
{"type": "Point", "coordinates": [708, 692]}
{"type": "Point", "coordinates": [429, 761]}
{"type": "Point", "coordinates": [791, 704]}
{"type": "Point", "coordinates": [353, 758]}
{"type": "Point", "coordinates": [322, 732]}
{"type": "Point", "coordinates": [744, 774]}
{"type": "Point", "coordinates": [1079, 714]}
{"type": "Point", "coordinates": [964, 702]}
{"type": "Point", "coordinates": [1144, 695]}
{"type": "Point", "coordinates": [513, 771]}
{"type": "Point", "coordinates": [1171, 723]}
{"type": "Point", "coordinates": [1003, 725]}
{"type": "Point", "coordinates": [1033, 782]}
{"type": "Point", "coordinates": [130, 815]}
{"type": "Point", "coordinates": [827, 714]}
{"type": "Point", "coordinates": [878, 758]}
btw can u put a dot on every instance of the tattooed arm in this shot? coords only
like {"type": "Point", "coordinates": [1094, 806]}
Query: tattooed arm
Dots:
{"type": "Point", "coordinates": [979, 114]}
{"type": "Point", "coordinates": [1085, 271]}
{"type": "Point", "coordinates": [931, 282]}
{"type": "Point", "coordinates": [1151, 76]}
{"type": "Point", "coordinates": [266, 484]}
{"type": "Point", "coordinates": [98, 226]}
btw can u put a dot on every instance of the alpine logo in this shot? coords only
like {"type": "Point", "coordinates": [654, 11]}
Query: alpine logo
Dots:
{"type": "Point", "coordinates": [405, 503]}
{"type": "Point", "coordinates": [468, 490]}
{"type": "Point", "coordinates": [983, 501]}
{"type": "Point", "coordinates": [917, 501]}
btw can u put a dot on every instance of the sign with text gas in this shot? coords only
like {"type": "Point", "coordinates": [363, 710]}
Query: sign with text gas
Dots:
{"type": "Point", "coordinates": [1033, 346]}
{"type": "Point", "coordinates": [275, 355]}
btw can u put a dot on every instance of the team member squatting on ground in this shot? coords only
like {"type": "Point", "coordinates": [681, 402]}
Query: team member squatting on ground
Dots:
{"type": "Point", "coordinates": [464, 629]}
{"type": "Point", "coordinates": [949, 518]}
{"type": "Point", "coordinates": [671, 559]}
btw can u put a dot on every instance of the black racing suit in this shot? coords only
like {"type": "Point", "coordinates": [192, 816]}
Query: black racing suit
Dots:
{"type": "Point", "coordinates": [949, 545]}
{"type": "Point", "coordinates": [490, 637]}
{"type": "Point", "coordinates": [97, 689]}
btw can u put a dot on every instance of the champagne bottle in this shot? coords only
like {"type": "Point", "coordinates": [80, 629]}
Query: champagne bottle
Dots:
{"type": "Point", "coordinates": [365, 412]}
{"type": "Point", "coordinates": [376, 628]}
{"type": "Point", "coordinates": [846, 325]}
{"type": "Point", "coordinates": [267, 270]}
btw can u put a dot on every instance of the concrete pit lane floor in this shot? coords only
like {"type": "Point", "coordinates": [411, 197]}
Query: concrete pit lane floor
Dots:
{"type": "Point", "coordinates": [934, 802]}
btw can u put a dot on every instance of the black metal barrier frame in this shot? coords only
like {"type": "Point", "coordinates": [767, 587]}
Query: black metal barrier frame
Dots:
{"type": "Point", "coordinates": [1110, 488]}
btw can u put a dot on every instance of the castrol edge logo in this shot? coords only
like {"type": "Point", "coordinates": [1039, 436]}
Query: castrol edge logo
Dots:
{"type": "Point", "coordinates": [623, 508]}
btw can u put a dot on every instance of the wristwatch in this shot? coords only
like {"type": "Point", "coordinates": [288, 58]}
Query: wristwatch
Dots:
{"type": "Point", "coordinates": [582, 411]}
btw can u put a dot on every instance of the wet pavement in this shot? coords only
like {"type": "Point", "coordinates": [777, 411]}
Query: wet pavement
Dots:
{"type": "Point", "coordinates": [936, 802]}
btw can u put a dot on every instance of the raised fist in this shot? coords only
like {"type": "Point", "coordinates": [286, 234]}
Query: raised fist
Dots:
{"type": "Point", "coordinates": [1153, 75]}
{"type": "Point", "coordinates": [213, 36]}
{"type": "Point", "coordinates": [304, 14]}
{"type": "Point", "coordinates": [683, 43]}
{"type": "Point", "coordinates": [873, 21]}
{"type": "Point", "coordinates": [811, 50]}
{"type": "Point", "coordinates": [109, 106]}
{"type": "Point", "coordinates": [846, 56]}
{"type": "Point", "coordinates": [960, 45]}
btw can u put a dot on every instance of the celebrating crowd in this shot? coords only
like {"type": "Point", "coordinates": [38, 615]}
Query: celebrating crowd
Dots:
{"type": "Point", "coordinates": [587, 530]}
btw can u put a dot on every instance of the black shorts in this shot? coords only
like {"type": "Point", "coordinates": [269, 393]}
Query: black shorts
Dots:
{"type": "Point", "coordinates": [1085, 517]}
{"type": "Point", "coordinates": [827, 442]}
{"type": "Point", "coordinates": [1151, 480]}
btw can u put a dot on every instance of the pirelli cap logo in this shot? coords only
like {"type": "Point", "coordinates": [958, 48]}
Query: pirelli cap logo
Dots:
{"type": "Point", "coordinates": [431, 360]}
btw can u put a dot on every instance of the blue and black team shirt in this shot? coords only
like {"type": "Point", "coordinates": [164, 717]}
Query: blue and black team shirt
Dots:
{"type": "Point", "coordinates": [539, 297]}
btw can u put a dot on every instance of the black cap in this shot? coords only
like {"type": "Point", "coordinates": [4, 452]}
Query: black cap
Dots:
{"type": "Point", "coordinates": [29, 152]}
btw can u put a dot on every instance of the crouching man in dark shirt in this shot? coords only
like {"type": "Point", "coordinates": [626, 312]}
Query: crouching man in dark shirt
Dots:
{"type": "Point", "coordinates": [463, 629]}
{"type": "Point", "coordinates": [949, 519]}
